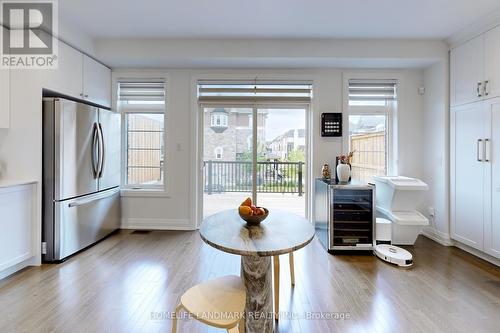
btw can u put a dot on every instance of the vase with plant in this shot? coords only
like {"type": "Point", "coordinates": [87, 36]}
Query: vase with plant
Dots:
{"type": "Point", "coordinates": [344, 167]}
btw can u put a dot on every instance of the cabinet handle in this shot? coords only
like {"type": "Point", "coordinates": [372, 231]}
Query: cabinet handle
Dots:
{"type": "Point", "coordinates": [479, 141]}
{"type": "Point", "coordinates": [486, 92]}
{"type": "Point", "coordinates": [81, 95]}
{"type": "Point", "coordinates": [486, 150]}
{"type": "Point", "coordinates": [86, 96]}
{"type": "Point", "coordinates": [478, 89]}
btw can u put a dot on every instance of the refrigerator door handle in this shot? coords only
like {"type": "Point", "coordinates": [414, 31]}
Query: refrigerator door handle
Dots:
{"type": "Point", "coordinates": [101, 151]}
{"type": "Point", "coordinates": [95, 159]}
{"type": "Point", "coordinates": [96, 197]}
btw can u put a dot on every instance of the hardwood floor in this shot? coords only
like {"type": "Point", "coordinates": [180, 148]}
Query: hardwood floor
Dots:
{"type": "Point", "coordinates": [132, 281]}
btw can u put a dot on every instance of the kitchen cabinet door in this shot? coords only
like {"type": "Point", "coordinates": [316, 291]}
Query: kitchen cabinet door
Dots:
{"type": "Point", "coordinates": [17, 223]}
{"type": "Point", "coordinates": [68, 77]}
{"type": "Point", "coordinates": [96, 82]}
{"type": "Point", "coordinates": [492, 62]}
{"type": "Point", "coordinates": [4, 95]}
{"type": "Point", "coordinates": [467, 70]}
{"type": "Point", "coordinates": [492, 184]}
{"type": "Point", "coordinates": [467, 202]}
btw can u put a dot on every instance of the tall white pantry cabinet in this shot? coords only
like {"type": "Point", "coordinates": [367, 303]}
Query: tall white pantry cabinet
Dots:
{"type": "Point", "coordinates": [475, 143]}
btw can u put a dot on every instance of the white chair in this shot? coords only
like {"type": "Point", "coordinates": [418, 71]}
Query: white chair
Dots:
{"type": "Point", "coordinates": [219, 303]}
{"type": "Point", "coordinates": [276, 262]}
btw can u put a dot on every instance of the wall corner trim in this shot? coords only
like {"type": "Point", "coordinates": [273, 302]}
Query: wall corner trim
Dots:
{"type": "Point", "coordinates": [438, 236]}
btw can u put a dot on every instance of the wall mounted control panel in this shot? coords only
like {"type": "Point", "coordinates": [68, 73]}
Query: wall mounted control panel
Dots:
{"type": "Point", "coordinates": [331, 124]}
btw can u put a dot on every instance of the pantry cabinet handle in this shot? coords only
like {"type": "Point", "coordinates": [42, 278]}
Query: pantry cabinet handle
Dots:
{"type": "Point", "coordinates": [486, 150]}
{"type": "Point", "coordinates": [479, 141]}
{"type": "Point", "coordinates": [486, 93]}
{"type": "Point", "coordinates": [478, 89]}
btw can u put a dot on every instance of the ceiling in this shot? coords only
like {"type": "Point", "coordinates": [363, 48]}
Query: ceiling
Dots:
{"type": "Point", "coordinates": [420, 19]}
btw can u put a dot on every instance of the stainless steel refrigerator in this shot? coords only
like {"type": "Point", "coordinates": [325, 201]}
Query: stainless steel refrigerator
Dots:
{"type": "Point", "coordinates": [81, 176]}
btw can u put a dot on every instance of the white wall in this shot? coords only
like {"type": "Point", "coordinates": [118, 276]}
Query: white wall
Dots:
{"type": "Point", "coordinates": [176, 210]}
{"type": "Point", "coordinates": [436, 145]}
{"type": "Point", "coordinates": [74, 37]}
{"type": "Point", "coordinates": [20, 146]}
{"type": "Point", "coordinates": [268, 53]}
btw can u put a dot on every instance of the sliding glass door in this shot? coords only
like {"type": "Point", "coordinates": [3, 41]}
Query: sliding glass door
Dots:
{"type": "Point", "coordinates": [254, 151]}
{"type": "Point", "coordinates": [227, 156]}
{"type": "Point", "coordinates": [281, 158]}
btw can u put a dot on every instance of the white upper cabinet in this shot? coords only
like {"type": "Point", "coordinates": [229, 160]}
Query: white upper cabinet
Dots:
{"type": "Point", "coordinates": [475, 69]}
{"type": "Point", "coordinates": [96, 82]}
{"type": "Point", "coordinates": [4, 95]}
{"type": "Point", "coordinates": [467, 69]}
{"type": "Point", "coordinates": [67, 78]}
{"type": "Point", "coordinates": [492, 62]}
{"type": "Point", "coordinates": [79, 76]}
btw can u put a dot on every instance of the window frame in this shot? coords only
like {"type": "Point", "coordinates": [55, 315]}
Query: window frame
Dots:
{"type": "Point", "coordinates": [136, 190]}
{"type": "Point", "coordinates": [390, 110]}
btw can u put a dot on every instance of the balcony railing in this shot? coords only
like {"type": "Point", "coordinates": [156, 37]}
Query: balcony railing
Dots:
{"type": "Point", "coordinates": [236, 176]}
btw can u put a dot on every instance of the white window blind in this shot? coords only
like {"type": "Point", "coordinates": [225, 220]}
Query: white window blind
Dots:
{"type": "Point", "coordinates": [141, 92]}
{"type": "Point", "coordinates": [252, 91]}
{"type": "Point", "coordinates": [372, 90]}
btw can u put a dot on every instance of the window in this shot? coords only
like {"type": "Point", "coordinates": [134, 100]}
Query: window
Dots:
{"type": "Point", "coordinates": [218, 120]}
{"type": "Point", "coordinates": [218, 153]}
{"type": "Point", "coordinates": [371, 105]}
{"type": "Point", "coordinates": [368, 140]}
{"type": "Point", "coordinates": [142, 104]}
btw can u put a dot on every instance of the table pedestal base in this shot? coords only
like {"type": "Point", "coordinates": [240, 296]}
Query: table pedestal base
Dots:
{"type": "Point", "coordinates": [259, 304]}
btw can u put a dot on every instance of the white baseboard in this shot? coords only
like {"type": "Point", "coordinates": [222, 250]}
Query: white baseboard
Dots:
{"type": "Point", "coordinates": [14, 261]}
{"type": "Point", "coordinates": [438, 236]}
{"type": "Point", "coordinates": [157, 224]}
{"type": "Point", "coordinates": [478, 253]}
{"type": "Point", "coordinates": [17, 267]}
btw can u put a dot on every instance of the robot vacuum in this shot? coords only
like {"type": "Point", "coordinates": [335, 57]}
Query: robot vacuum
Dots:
{"type": "Point", "coordinates": [394, 255]}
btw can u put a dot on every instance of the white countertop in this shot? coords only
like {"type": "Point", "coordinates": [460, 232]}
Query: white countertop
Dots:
{"type": "Point", "coordinates": [15, 182]}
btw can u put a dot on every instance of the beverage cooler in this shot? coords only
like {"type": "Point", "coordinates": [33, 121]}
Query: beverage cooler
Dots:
{"type": "Point", "coordinates": [344, 215]}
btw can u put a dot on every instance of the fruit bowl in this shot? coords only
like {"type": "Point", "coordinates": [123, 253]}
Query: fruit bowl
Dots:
{"type": "Point", "coordinates": [254, 219]}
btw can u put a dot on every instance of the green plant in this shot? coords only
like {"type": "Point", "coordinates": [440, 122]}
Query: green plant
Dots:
{"type": "Point", "coordinates": [296, 155]}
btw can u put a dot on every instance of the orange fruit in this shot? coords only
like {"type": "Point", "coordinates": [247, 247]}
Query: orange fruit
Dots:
{"type": "Point", "coordinates": [247, 202]}
{"type": "Point", "coordinates": [245, 210]}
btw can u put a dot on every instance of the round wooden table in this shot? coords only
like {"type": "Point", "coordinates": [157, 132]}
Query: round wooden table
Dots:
{"type": "Point", "coordinates": [282, 232]}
